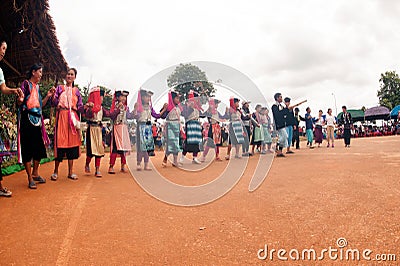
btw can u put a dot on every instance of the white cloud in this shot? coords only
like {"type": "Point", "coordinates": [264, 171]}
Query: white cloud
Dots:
{"type": "Point", "coordinates": [304, 49]}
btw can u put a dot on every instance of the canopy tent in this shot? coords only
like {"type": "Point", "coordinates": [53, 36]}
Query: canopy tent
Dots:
{"type": "Point", "coordinates": [377, 113]}
{"type": "Point", "coordinates": [395, 112]}
{"type": "Point", "coordinates": [356, 115]}
{"type": "Point", "coordinates": [30, 34]}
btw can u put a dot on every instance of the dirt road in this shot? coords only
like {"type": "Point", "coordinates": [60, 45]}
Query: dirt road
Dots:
{"type": "Point", "coordinates": [309, 200]}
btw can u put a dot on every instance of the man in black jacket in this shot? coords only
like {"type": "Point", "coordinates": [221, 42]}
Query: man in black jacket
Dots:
{"type": "Point", "coordinates": [296, 133]}
{"type": "Point", "coordinates": [279, 122]}
{"type": "Point", "coordinates": [347, 123]}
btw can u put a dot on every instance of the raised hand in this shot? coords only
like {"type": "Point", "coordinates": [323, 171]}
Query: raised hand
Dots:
{"type": "Point", "coordinates": [51, 92]}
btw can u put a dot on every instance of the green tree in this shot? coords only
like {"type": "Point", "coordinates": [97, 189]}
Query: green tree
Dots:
{"type": "Point", "coordinates": [389, 93]}
{"type": "Point", "coordinates": [107, 100]}
{"type": "Point", "coordinates": [188, 77]}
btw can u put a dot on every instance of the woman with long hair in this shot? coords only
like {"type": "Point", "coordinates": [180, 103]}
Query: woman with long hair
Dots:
{"type": "Point", "coordinates": [32, 136]}
{"type": "Point", "coordinates": [67, 136]}
{"type": "Point", "coordinates": [330, 128]}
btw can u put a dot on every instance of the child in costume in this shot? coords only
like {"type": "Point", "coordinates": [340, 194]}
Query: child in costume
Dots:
{"type": "Point", "coordinates": [94, 138]}
{"type": "Point", "coordinates": [193, 129]}
{"type": "Point", "coordinates": [172, 128]}
{"type": "Point", "coordinates": [236, 129]}
{"type": "Point", "coordinates": [258, 135]}
{"type": "Point", "coordinates": [214, 134]}
{"type": "Point", "coordinates": [120, 141]}
{"type": "Point", "coordinates": [143, 112]}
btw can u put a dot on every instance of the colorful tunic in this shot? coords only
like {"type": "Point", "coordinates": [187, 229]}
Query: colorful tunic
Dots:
{"type": "Point", "coordinates": [94, 136]}
{"type": "Point", "coordinates": [236, 130]}
{"type": "Point", "coordinates": [214, 131]}
{"type": "Point", "coordinates": [32, 136]}
{"type": "Point", "coordinates": [258, 132]}
{"type": "Point", "coordinates": [144, 132]}
{"type": "Point", "coordinates": [120, 135]}
{"type": "Point", "coordinates": [66, 136]}
{"type": "Point", "coordinates": [173, 131]}
{"type": "Point", "coordinates": [265, 122]}
{"type": "Point", "coordinates": [193, 130]}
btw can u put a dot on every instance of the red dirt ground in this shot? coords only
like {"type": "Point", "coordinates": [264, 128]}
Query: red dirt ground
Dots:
{"type": "Point", "coordinates": [308, 200]}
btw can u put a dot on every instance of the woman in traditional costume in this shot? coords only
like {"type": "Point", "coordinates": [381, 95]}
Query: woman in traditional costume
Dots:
{"type": "Point", "coordinates": [214, 133]}
{"type": "Point", "coordinates": [67, 138]}
{"type": "Point", "coordinates": [258, 135]}
{"type": "Point", "coordinates": [319, 123]}
{"type": "Point", "coordinates": [193, 129]}
{"type": "Point", "coordinates": [94, 137]}
{"type": "Point", "coordinates": [172, 128]}
{"type": "Point", "coordinates": [120, 141]}
{"type": "Point", "coordinates": [265, 122]}
{"type": "Point", "coordinates": [32, 136]}
{"type": "Point", "coordinates": [145, 142]}
{"type": "Point", "coordinates": [236, 128]}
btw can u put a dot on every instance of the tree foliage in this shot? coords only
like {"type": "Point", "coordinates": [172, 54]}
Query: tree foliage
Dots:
{"type": "Point", "coordinates": [389, 92]}
{"type": "Point", "coordinates": [188, 77]}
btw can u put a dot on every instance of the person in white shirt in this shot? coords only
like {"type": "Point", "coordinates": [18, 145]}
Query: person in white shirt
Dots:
{"type": "Point", "coordinates": [331, 124]}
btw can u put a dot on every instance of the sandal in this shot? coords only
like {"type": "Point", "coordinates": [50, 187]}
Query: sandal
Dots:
{"type": "Point", "coordinates": [164, 164]}
{"type": "Point", "coordinates": [54, 177]}
{"type": "Point", "coordinates": [39, 179]}
{"type": "Point", "coordinates": [32, 185]}
{"type": "Point", "coordinates": [111, 171]}
{"type": "Point", "coordinates": [87, 169]}
{"type": "Point", "coordinates": [98, 174]}
{"type": "Point", "coordinates": [73, 177]}
{"type": "Point", "coordinates": [5, 192]}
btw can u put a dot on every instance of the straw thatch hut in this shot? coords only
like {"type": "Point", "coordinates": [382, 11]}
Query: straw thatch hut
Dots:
{"type": "Point", "coordinates": [31, 37]}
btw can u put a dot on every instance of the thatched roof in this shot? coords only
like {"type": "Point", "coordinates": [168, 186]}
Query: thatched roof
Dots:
{"type": "Point", "coordinates": [31, 38]}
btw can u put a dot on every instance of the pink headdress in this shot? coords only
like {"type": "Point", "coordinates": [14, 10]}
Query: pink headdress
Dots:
{"type": "Point", "coordinates": [212, 106]}
{"type": "Point", "coordinates": [142, 93]}
{"type": "Point", "coordinates": [94, 97]}
{"type": "Point", "coordinates": [139, 101]}
{"type": "Point", "coordinates": [171, 104]}
{"type": "Point", "coordinates": [193, 97]}
{"type": "Point", "coordinates": [232, 102]}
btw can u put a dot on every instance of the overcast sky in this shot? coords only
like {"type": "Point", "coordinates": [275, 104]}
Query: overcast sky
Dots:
{"type": "Point", "coordinates": [303, 49]}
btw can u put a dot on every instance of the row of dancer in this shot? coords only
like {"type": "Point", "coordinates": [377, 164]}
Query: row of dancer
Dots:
{"type": "Point", "coordinates": [192, 112]}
